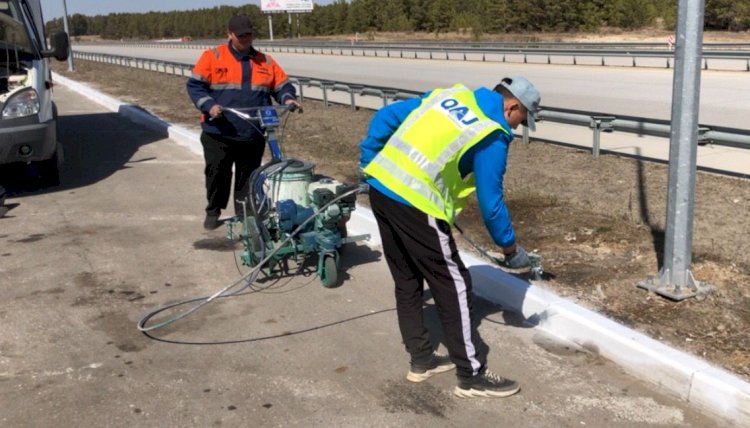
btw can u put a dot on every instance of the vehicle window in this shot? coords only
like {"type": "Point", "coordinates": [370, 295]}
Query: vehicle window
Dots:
{"type": "Point", "coordinates": [14, 38]}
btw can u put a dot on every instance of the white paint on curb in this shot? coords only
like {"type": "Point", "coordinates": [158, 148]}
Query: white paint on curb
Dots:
{"type": "Point", "coordinates": [709, 388]}
{"type": "Point", "coordinates": [180, 135]}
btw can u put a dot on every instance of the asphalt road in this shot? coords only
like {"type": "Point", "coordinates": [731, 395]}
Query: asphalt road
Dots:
{"type": "Point", "coordinates": [643, 92]}
{"type": "Point", "coordinates": [80, 264]}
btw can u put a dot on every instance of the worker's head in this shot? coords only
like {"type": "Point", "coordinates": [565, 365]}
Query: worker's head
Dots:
{"type": "Point", "coordinates": [520, 101]}
{"type": "Point", "coordinates": [240, 32]}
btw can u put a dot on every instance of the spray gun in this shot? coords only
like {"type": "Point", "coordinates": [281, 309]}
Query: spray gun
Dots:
{"type": "Point", "coordinates": [535, 268]}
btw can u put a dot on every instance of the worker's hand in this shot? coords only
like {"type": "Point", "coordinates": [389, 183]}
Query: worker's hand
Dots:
{"type": "Point", "coordinates": [517, 259]}
{"type": "Point", "coordinates": [215, 111]}
{"type": "Point", "coordinates": [293, 105]}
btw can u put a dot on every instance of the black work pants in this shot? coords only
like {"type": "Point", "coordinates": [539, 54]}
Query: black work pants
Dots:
{"type": "Point", "coordinates": [421, 248]}
{"type": "Point", "coordinates": [221, 154]}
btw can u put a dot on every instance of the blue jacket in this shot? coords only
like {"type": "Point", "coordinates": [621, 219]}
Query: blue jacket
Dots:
{"type": "Point", "coordinates": [487, 160]}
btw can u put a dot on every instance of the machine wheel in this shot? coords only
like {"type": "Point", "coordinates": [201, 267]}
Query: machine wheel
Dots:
{"type": "Point", "coordinates": [329, 274]}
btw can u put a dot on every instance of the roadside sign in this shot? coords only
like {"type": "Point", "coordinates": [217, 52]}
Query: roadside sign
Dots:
{"type": "Point", "coordinates": [284, 6]}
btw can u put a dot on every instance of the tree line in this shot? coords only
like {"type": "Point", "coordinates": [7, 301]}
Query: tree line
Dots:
{"type": "Point", "coordinates": [475, 17]}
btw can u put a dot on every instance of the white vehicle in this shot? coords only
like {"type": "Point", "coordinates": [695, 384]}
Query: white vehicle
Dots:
{"type": "Point", "coordinates": [28, 118]}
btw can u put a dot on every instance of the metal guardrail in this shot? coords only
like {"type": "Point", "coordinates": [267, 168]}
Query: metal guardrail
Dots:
{"type": "Point", "coordinates": [603, 122]}
{"type": "Point", "coordinates": [596, 121]}
{"type": "Point", "coordinates": [715, 56]}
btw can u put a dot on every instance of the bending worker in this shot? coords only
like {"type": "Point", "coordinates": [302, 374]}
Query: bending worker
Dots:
{"type": "Point", "coordinates": [418, 159]}
{"type": "Point", "coordinates": [234, 75]}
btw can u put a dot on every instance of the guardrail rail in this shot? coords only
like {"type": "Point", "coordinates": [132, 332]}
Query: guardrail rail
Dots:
{"type": "Point", "coordinates": [598, 122]}
{"type": "Point", "coordinates": [716, 56]}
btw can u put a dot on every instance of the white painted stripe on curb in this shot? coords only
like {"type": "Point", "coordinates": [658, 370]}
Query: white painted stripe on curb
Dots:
{"type": "Point", "coordinates": [709, 388]}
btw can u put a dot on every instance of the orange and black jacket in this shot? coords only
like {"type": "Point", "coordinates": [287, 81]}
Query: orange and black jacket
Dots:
{"type": "Point", "coordinates": [224, 76]}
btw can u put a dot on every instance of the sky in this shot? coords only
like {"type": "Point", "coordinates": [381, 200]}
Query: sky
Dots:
{"type": "Point", "coordinates": [54, 8]}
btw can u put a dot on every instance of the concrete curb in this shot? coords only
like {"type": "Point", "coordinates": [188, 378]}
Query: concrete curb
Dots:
{"type": "Point", "coordinates": [711, 389]}
{"type": "Point", "coordinates": [182, 136]}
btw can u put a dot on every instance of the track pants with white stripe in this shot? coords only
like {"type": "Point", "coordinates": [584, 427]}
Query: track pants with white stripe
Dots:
{"type": "Point", "coordinates": [421, 248]}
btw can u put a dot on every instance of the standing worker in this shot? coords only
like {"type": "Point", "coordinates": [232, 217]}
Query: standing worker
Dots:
{"type": "Point", "coordinates": [234, 75]}
{"type": "Point", "coordinates": [418, 159]}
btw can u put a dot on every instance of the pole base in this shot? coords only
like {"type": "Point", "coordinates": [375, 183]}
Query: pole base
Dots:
{"type": "Point", "coordinates": [662, 287]}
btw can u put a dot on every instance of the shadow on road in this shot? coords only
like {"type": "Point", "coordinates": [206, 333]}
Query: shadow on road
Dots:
{"type": "Point", "coordinates": [95, 147]}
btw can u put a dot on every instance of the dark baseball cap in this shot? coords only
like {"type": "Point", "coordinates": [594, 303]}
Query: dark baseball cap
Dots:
{"type": "Point", "coordinates": [240, 24]}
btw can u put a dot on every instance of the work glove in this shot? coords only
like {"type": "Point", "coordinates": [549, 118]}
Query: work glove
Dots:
{"type": "Point", "coordinates": [518, 259]}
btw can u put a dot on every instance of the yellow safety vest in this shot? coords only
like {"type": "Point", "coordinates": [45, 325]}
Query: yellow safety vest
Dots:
{"type": "Point", "coordinates": [420, 160]}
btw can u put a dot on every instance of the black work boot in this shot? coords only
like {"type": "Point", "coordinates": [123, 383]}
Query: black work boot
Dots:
{"type": "Point", "coordinates": [212, 221]}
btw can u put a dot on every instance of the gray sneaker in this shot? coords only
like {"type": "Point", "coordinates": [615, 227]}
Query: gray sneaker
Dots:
{"type": "Point", "coordinates": [439, 363]}
{"type": "Point", "coordinates": [487, 384]}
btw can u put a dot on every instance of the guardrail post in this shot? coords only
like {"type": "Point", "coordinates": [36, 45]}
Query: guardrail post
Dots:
{"type": "Point", "coordinates": [325, 93]}
{"type": "Point", "coordinates": [574, 60]}
{"type": "Point", "coordinates": [301, 89]}
{"type": "Point", "coordinates": [705, 64]}
{"type": "Point", "coordinates": [388, 95]}
{"type": "Point", "coordinates": [599, 124]}
{"type": "Point", "coordinates": [526, 138]}
{"type": "Point", "coordinates": [352, 89]}
{"type": "Point", "coordinates": [353, 101]}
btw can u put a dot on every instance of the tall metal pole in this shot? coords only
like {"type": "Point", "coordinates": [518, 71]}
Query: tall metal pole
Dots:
{"type": "Point", "coordinates": [70, 48]}
{"type": "Point", "coordinates": [270, 26]}
{"type": "Point", "coordinates": [291, 33]}
{"type": "Point", "coordinates": [675, 278]}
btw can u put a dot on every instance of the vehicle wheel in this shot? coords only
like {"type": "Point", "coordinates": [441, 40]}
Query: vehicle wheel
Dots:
{"type": "Point", "coordinates": [3, 209]}
{"type": "Point", "coordinates": [329, 274]}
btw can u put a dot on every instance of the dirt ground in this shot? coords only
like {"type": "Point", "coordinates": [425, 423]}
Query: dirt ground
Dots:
{"type": "Point", "coordinates": [598, 224]}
